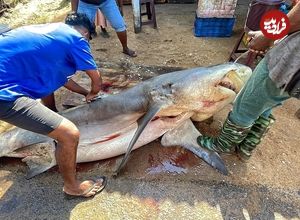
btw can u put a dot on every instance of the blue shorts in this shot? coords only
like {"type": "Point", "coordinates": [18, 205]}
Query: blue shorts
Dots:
{"type": "Point", "coordinates": [109, 9]}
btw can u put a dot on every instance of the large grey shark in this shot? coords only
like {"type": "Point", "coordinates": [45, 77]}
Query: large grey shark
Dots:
{"type": "Point", "coordinates": [117, 124]}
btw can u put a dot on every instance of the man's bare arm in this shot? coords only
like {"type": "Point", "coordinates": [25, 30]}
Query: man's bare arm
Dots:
{"type": "Point", "coordinates": [294, 17]}
{"type": "Point", "coordinates": [96, 82]}
{"type": "Point", "coordinates": [74, 87]}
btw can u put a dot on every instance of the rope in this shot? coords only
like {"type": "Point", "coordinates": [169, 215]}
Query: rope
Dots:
{"type": "Point", "coordinates": [242, 55]}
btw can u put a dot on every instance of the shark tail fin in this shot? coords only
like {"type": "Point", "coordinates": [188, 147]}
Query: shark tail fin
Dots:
{"type": "Point", "coordinates": [186, 136]}
{"type": "Point", "coordinates": [41, 162]}
{"type": "Point", "coordinates": [142, 123]}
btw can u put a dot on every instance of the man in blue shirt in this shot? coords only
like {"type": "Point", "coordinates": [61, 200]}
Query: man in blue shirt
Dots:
{"type": "Point", "coordinates": [35, 61]}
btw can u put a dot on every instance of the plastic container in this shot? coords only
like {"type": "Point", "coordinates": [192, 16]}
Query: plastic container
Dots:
{"type": "Point", "coordinates": [213, 27]}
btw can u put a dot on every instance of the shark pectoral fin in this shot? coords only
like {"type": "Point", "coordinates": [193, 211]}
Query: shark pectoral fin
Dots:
{"type": "Point", "coordinates": [142, 123]}
{"type": "Point", "coordinates": [186, 136]}
{"type": "Point", "coordinates": [42, 161]}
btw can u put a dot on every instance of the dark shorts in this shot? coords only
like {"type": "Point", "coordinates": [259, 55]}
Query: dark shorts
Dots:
{"type": "Point", "coordinates": [29, 114]}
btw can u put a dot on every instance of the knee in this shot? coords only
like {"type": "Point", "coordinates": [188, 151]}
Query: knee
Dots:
{"type": "Point", "coordinates": [68, 133]}
{"type": "Point", "coordinates": [71, 136]}
{"type": "Point", "coordinates": [120, 28]}
{"type": "Point", "coordinates": [118, 24]}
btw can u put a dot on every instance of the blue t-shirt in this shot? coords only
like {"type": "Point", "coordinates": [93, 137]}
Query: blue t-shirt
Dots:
{"type": "Point", "coordinates": [36, 60]}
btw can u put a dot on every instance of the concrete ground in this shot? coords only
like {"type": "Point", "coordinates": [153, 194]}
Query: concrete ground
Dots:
{"type": "Point", "coordinates": [169, 183]}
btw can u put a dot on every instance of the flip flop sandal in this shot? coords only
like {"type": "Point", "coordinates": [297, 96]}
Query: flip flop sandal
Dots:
{"type": "Point", "coordinates": [83, 195]}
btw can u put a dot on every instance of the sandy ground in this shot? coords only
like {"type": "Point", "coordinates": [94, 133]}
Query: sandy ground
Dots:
{"type": "Point", "coordinates": [167, 183]}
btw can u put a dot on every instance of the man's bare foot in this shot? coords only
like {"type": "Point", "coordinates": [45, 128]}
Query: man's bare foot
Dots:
{"type": "Point", "coordinates": [129, 52]}
{"type": "Point", "coordinates": [86, 188]}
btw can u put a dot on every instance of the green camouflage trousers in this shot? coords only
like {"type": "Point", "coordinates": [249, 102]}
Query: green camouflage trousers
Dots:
{"type": "Point", "coordinates": [258, 97]}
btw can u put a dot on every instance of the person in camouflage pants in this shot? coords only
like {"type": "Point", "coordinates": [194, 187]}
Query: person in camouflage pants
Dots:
{"type": "Point", "coordinates": [274, 80]}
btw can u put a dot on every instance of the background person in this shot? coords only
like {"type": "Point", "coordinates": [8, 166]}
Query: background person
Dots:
{"type": "Point", "coordinates": [111, 12]}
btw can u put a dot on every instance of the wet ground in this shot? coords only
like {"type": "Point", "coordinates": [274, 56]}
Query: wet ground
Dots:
{"type": "Point", "coordinates": [168, 183]}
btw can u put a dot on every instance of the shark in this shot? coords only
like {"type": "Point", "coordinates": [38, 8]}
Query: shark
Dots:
{"type": "Point", "coordinates": [163, 107]}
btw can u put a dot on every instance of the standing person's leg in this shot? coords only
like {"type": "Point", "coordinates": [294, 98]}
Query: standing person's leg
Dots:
{"type": "Point", "coordinates": [67, 136]}
{"type": "Point", "coordinates": [74, 5]}
{"type": "Point", "coordinates": [258, 96]}
{"type": "Point", "coordinates": [111, 12]}
{"type": "Point", "coordinates": [255, 104]}
{"type": "Point", "coordinates": [101, 22]}
{"type": "Point", "coordinates": [255, 135]}
{"type": "Point", "coordinates": [89, 9]}
{"type": "Point", "coordinates": [31, 115]}
{"type": "Point", "coordinates": [120, 4]}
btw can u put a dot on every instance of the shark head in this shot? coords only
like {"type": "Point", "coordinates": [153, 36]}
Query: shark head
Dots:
{"type": "Point", "coordinates": [206, 91]}
{"type": "Point", "coordinates": [233, 78]}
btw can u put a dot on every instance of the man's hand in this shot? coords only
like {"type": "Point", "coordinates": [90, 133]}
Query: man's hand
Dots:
{"type": "Point", "coordinates": [96, 82]}
{"type": "Point", "coordinates": [91, 96]}
{"type": "Point", "coordinates": [259, 43]}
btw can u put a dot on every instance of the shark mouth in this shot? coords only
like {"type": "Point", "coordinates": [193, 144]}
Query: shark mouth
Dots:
{"type": "Point", "coordinates": [228, 85]}
{"type": "Point", "coordinates": [232, 81]}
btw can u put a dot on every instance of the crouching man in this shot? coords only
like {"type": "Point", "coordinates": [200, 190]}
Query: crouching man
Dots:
{"type": "Point", "coordinates": [35, 61]}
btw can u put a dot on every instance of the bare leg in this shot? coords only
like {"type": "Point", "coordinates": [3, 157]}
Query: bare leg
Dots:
{"type": "Point", "coordinates": [123, 39]}
{"type": "Point", "coordinates": [49, 102]}
{"type": "Point", "coordinates": [74, 5]}
{"type": "Point", "coordinates": [101, 21]}
{"type": "Point", "coordinates": [67, 136]}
